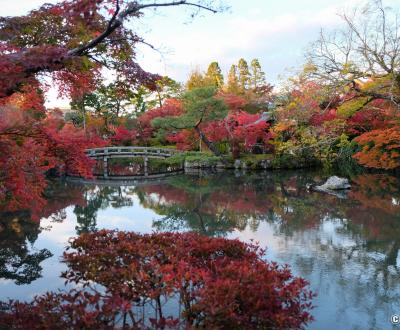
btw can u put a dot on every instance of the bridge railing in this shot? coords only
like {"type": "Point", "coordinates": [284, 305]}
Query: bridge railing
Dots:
{"type": "Point", "coordinates": [130, 151]}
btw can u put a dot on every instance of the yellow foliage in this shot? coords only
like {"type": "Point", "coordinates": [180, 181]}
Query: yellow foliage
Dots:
{"type": "Point", "coordinates": [283, 126]}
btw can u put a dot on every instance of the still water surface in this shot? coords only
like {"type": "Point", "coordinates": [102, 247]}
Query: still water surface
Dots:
{"type": "Point", "coordinates": [346, 246]}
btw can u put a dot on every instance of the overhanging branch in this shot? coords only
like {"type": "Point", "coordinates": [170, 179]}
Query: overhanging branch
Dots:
{"type": "Point", "coordinates": [119, 17]}
{"type": "Point", "coordinates": [58, 62]}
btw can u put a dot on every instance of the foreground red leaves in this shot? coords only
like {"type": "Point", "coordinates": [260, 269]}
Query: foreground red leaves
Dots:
{"type": "Point", "coordinates": [169, 280]}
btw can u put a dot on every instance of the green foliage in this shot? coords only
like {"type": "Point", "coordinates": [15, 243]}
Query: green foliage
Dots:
{"type": "Point", "coordinates": [111, 101]}
{"type": "Point", "coordinates": [349, 108]}
{"type": "Point", "coordinates": [163, 165]}
{"type": "Point", "coordinates": [193, 157]}
{"type": "Point", "coordinates": [201, 106]}
{"type": "Point", "coordinates": [203, 159]}
{"type": "Point", "coordinates": [206, 159]}
{"type": "Point", "coordinates": [126, 161]}
{"type": "Point", "coordinates": [344, 161]}
{"type": "Point", "coordinates": [166, 88]}
{"type": "Point", "coordinates": [178, 158]}
{"type": "Point", "coordinates": [294, 161]}
{"type": "Point", "coordinates": [301, 150]}
{"type": "Point", "coordinates": [223, 147]}
{"type": "Point", "coordinates": [74, 117]}
{"type": "Point", "coordinates": [255, 162]}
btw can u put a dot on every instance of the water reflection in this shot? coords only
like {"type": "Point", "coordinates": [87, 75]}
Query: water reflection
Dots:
{"type": "Point", "coordinates": [17, 262]}
{"type": "Point", "coordinates": [347, 247]}
{"type": "Point", "coordinates": [99, 198]}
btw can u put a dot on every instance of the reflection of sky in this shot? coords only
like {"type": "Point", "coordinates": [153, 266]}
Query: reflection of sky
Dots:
{"type": "Point", "coordinates": [352, 291]}
{"type": "Point", "coordinates": [347, 293]}
{"type": "Point", "coordinates": [133, 218]}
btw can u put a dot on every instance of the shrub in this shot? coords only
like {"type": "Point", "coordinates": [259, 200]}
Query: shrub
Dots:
{"type": "Point", "coordinates": [255, 162]}
{"type": "Point", "coordinates": [380, 148]}
{"type": "Point", "coordinates": [206, 159]}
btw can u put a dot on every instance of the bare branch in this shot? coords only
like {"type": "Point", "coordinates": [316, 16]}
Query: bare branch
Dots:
{"type": "Point", "coordinates": [366, 48]}
{"type": "Point", "coordinates": [119, 17]}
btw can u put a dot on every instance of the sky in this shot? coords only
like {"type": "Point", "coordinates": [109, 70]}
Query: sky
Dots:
{"type": "Point", "coordinates": [276, 32]}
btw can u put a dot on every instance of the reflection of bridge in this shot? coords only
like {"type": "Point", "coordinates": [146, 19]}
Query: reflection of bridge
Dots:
{"type": "Point", "coordinates": [106, 153]}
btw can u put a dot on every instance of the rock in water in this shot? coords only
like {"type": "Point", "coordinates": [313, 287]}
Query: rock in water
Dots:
{"type": "Point", "coordinates": [334, 183]}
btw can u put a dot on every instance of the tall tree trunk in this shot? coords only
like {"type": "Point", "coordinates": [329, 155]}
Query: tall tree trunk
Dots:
{"type": "Point", "coordinates": [235, 149]}
{"type": "Point", "coordinates": [209, 144]}
{"type": "Point", "coordinates": [118, 109]}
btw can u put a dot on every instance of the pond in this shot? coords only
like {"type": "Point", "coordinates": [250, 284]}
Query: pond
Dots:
{"type": "Point", "coordinates": [346, 246]}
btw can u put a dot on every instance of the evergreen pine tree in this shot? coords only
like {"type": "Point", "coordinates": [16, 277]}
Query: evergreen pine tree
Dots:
{"type": "Point", "coordinates": [233, 81]}
{"type": "Point", "coordinates": [244, 75]}
{"type": "Point", "coordinates": [214, 75]}
{"type": "Point", "coordinates": [257, 75]}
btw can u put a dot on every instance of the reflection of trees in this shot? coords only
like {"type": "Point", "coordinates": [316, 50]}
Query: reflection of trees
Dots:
{"type": "Point", "coordinates": [358, 252]}
{"type": "Point", "coordinates": [188, 215]}
{"type": "Point", "coordinates": [222, 203]}
{"type": "Point", "coordinates": [367, 221]}
{"type": "Point", "coordinates": [19, 261]}
{"type": "Point", "coordinates": [347, 245]}
{"type": "Point", "coordinates": [99, 197]}
{"type": "Point", "coordinates": [178, 218]}
{"type": "Point", "coordinates": [201, 205]}
{"type": "Point", "coordinates": [348, 271]}
{"type": "Point", "coordinates": [352, 242]}
{"type": "Point", "coordinates": [59, 195]}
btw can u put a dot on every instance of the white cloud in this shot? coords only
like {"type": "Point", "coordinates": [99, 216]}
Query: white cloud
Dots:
{"type": "Point", "coordinates": [253, 35]}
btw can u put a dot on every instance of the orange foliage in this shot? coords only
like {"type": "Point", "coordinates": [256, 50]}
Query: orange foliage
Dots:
{"type": "Point", "coordinates": [283, 126]}
{"type": "Point", "coordinates": [380, 148]}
